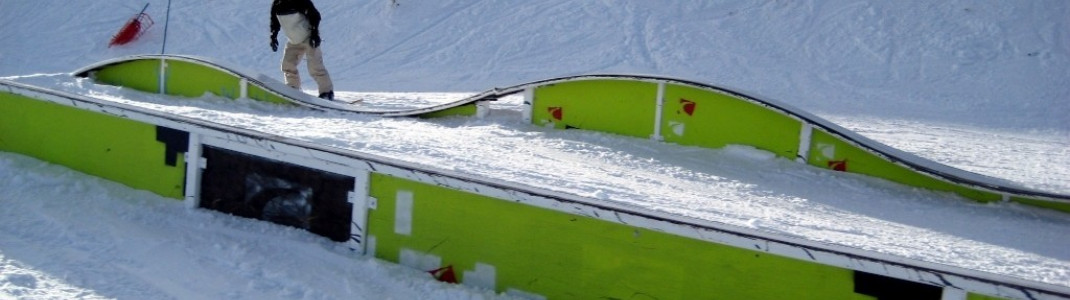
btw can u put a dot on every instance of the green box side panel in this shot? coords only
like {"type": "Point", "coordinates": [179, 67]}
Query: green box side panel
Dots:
{"type": "Point", "coordinates": [461, 110]}
{"type": "Point", "coordinates": [142, 75]}
{"type": "Point", "coordinates": [193, 80]}
{"type": "Point", "coordinates": [616, 106]}
{"type": "Point", "coordinates": [256, 93]}
{"type": "Point", "coordinates": [982, 297]}
{"type": "Point", "coordinates": [565, 256]}
{"type": "Point", "coordinates": [1064, 207]}
{"type": "Point", "coordinates": [973, 296]}
{"type": "Point", "coordinates": [828, 151]}
{"type": "Point", "coordinates": [703, 118]}
{"type": "Point", "coordinates": [114, 148]}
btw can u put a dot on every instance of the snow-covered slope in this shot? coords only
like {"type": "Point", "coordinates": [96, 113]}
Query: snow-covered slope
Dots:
{"type": "Point", "coordinates": [973, 84]}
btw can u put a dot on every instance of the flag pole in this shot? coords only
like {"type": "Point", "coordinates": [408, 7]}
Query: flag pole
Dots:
{"type": "Point", "coordinates": [163, 50]}
{"type": "Point", "coordinates": [166, 22]}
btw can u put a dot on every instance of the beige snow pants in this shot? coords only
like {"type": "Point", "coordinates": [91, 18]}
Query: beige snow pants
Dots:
{"type": "Point", "coordinates": [291, 56]}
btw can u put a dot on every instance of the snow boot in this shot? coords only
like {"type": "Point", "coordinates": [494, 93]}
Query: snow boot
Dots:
{"type": "Point", "coordinates": [329, 95]}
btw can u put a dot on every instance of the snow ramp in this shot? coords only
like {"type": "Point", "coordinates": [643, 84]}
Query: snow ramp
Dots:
{"type": "Point", "coordinates": [661, 108]}
{"type": "Point", "coordinates": [504, 236]}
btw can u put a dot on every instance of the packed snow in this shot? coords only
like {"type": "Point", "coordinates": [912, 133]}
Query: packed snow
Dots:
{"type": "Point", "coordinates": [976, 85]}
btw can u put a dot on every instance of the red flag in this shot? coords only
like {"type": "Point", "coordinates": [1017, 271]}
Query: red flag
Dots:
{"type": "Point", "coordinates": [133, 28]}
{"type": "Point", "coordinates": [444, 274]}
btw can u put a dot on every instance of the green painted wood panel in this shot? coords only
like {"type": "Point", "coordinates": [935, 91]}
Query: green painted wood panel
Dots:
{"type": "Point", "coordinates": [828, 151]}
{"type": "Point", "coordinates": [142, 75]}
{"type": "Point", "coordinates": [973, 296]}
{"type": "Point", "coordinates": [625, 107]}
{"type": "Point", "coordinates": [462, 110]}
{"type": "Point", "coordinates": [257, 93]}
{"type": "Point", "coordinates": [194, 79]}
{"type": "Point", "coordinates": [1064, 207]}
{"type": "Point", "coordinates": [184, 78]}
{"type": "Point", "coordinates": [565, 256]}
{"type": "Point", "coordinates": [111, 147]}
{"type": "Point", "coordinates": [699, 117]}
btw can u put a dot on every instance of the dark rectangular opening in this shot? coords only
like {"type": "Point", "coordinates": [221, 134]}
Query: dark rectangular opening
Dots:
{"type": "Point", "coordinates": [888, 288]}
{"type": "Point", "coordinates": [260, 188]}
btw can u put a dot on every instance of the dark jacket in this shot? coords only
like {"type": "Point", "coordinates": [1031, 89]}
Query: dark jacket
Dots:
{"type": "Point", "coordinates": [283, 7]}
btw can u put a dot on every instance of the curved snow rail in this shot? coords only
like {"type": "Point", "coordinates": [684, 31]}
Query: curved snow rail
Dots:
{"type": "Point", "coordinates": [692, 113]}
{"type": "Point", "coordinates": [192, 76]}
{"type": "Point", "coordinates": [668, 109]}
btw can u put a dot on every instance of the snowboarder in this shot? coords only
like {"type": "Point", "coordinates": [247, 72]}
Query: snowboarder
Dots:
{"type": "Point", "coordinates": [300, 21]}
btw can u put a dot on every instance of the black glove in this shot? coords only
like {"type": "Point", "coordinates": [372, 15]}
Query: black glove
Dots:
{"type": "Point", "coordinates": [274, 42]}
{"type": "Point", "coordinates": [314, 39]}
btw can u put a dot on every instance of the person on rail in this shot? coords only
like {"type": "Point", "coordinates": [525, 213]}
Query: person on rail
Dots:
{"type": "Point", "coordinates": [300, 21]}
